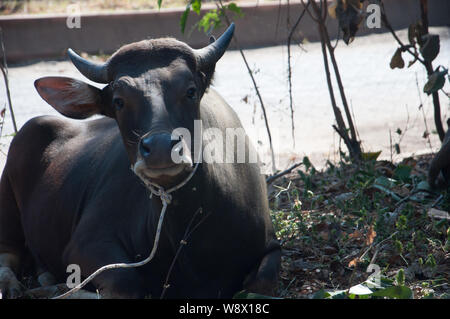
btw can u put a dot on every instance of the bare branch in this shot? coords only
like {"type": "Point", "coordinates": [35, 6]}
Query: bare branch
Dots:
{"type": "Point", "coordinates": [291, 104]}
{"type": "Point", "coordinates": [388, 26]}
{"type": "Point", "coordinates": [221, 6]}
{"type": "Point", "coordinates": [4, 69]}
{"type": "Point", "coordinates": [270, 179]}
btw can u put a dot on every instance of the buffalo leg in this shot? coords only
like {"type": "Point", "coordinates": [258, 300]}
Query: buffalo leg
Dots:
{"type": "Point", "coordinates": [264, 277]}
{"type": "Point", "coordinates": [45, 278]}
{"type": "Point", "coordinates": [113, 283]}
{"type": "Point", "coordinates": [11, 240]}
{"type": "Point", "coordinates": [10, 287]}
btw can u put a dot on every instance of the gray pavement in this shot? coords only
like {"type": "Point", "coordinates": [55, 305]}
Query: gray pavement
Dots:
{"type": "Point", "coordinates": [382, 99]}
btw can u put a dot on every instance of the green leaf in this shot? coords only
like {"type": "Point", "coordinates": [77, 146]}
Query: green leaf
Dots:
{"type": "Point", "coordinates": [436, 81]}
{"type": "Point", "coordinates": [159, 4]}
{"type": "Point", "coordinates": [430, 47]}
{"type": "Point", "coordinates": [210, 20]}
{"type": "Point", "coordinates": [387, 191]}
{"type": "Point", "coordinates": [384, 181]}
{"type": "Point", "coordinates": [196, 6]}
{"type": "Point", "coordinates": [233, 7]}
{"type": "Point", "coordinates": [402, 224]}
{"type": "Point", "coordinates": [397, 292]}
{"type": "Point", "coordinates": [431, 262]}
{"type": "Point", "coordinates": [339, 294]}
{"type": "Point", "coordinates": [371, 287]}
{"type": "Point", "coordinates": [402, 172]}
{"type": "Point", "coordinates": [306, 162]}
{"type": "Point", "coordinates": [398, 244]}
{"type": "Point", "coordinates": [184, 17]}
{"type": "Point", "coordinates": [423, 186]}
{"type": "Point", "coordinates": [360, 289]}
{"type": "Point", "coordinates": [386, 282]}
{"type": "Point", "coordinates": [321, 294]}
{"type": "Point", "coordinates": [401, 277]}
{"type": "Point", "coordinates": [370, 156]}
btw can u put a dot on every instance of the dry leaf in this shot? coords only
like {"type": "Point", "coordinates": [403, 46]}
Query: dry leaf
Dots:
{"type": "Point", "coordinates": [431, 47]}
{"type": "Point", "coordinates": [332, 10]}
{"type": "Point", "coordinates": [371, 234]}
{"type": "Point", "coordinates": [353, 262]}
{"type": "Point", "coordinates": [355, 235]}
{"type": "Point", "coordinates": [397, 60]}
{"type": "Point", "coordinates": [350, 17]}
{"type": "Point", "coordinates": [436, 81]}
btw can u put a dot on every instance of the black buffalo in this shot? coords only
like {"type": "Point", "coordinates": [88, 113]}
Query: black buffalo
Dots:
{"type": "Point", "coordinates": [439, 171]}
{"type": "Point", "coordinates": [68, 195]}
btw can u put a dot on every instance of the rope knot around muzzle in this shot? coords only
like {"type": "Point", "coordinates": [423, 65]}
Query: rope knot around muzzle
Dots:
{"type": "Point", "coordinates": [160, 192]}
{"type": "Point", "coordinates": [165, 197]}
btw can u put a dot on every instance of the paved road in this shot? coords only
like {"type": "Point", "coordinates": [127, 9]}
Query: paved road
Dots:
{"type": "Point", "coordinates": [382, 99]}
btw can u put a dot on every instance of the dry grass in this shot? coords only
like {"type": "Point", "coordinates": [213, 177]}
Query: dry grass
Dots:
{"type": "Point", "coordinates": [334, 223]}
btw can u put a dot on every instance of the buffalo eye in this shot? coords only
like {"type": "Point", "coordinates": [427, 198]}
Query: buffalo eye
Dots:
{"type": "Point", "coordinates": [191, 93]}
{"type": "Point", "coordinates": [118, 103]}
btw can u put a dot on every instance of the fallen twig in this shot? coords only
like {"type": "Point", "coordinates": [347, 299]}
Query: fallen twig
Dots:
{"type": "Point", "coordinates": [285, 291]}
{"type": "Point", "coordinates": [270, 179]}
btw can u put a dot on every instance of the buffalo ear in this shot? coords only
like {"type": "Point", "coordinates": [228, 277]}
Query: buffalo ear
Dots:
{"type": "Point", "coordinates": [207, 76]}
{"type": "Point", "coordinates": [70, 97]}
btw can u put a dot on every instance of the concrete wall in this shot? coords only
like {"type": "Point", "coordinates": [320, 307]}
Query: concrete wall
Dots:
{"type": "Point", "coordinates": [37, 37]}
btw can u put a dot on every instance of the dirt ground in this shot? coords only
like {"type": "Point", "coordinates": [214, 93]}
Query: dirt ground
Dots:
{"type": "Point", "coordinates": [337, 224]}
{"type": "Point", "coordinates": [382, 99]}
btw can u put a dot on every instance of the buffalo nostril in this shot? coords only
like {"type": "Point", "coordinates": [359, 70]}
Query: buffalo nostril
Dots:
{"type": "Point", "coordinates": [144, 148]}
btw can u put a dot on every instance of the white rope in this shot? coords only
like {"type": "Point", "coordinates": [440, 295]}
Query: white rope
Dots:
{"type": "Point", "coordinates": [166, 199]}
